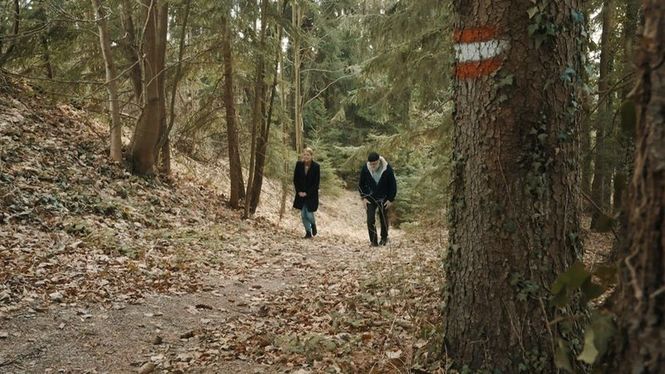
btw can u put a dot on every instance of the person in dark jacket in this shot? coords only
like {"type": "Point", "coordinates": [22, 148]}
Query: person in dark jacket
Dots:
{"type": "Point", "coordinates": [378, 188]}
{"type": "Point", "coordinates": [306, 178]}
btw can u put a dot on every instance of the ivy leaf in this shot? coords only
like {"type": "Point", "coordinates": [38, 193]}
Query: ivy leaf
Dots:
{"type": "Point", "coordinates": [532, 28]}
{"type": "Point", "coordinates": [578, 17]}
{"type": "Point", "coordinates": [590, 353]}
{"type": "Point", "coordinates": [562, 356]}
{"type": "Point", "coordinates": [591, 290]}
{"type": "Point", "coordinates": [532, 11]}
{"type": "Point", "coordinates": [597, 337]}
{"type": "Point", "coordinates": [506, 81]}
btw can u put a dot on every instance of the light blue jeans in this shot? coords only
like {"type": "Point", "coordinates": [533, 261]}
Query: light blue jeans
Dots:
{"type": "Point", "coordinates": [308, 219]}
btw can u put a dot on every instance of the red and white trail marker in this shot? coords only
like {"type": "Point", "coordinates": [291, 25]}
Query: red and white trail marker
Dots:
{"type": "Point", "coordinates": [477, 51]}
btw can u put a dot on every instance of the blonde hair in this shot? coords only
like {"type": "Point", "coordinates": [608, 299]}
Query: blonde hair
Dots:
{"type": "Point", "coordinates": [309, 150]}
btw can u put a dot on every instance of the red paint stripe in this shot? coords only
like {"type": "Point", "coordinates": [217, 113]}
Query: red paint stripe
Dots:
{"type": "Point", "coordinates": [476, 68]}
{"type": "Point", "coordinates": [476, 34]}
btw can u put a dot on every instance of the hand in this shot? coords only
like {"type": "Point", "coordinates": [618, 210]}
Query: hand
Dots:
{"type": "Point", "coordinates": [366, 201]}
{"type": "Point", "coordinates": [387, 204]}
{"type": "Point", "coordinates": [302, 194]}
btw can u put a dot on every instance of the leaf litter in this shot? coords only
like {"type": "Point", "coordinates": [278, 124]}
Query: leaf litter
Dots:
{"type": "Point", "coordinates": [160, 275]}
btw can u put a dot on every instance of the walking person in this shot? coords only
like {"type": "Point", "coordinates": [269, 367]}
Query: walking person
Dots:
{"type": "Point", "coordinates": [306, 179]}
{"type": "Point", "coordinates": [378, 188]}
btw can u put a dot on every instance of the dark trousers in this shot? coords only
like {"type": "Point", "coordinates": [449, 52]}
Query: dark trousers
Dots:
{"type": "Point", "coordinates": [372, 209]}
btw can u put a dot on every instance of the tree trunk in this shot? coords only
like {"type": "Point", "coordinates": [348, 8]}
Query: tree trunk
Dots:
{"type": "Point", "coordinates": [258, 104]}
{"type": "Point", "coordinates": [130, 47]}
{"type": "Point", "coordinates": [641, 292]}
{"type": "Point", "coordinates": [147, 132]}
{"type": "Point", "coordinates": [264, 135]}
{"type": "Point", "coordinates": [235, 167]}
{"type": "Point", "coordinates": [296, 20]}
{"type": "Point", "coordinates": [163, 149]}
{"type": "Point", "coordinates": [6, 55]}
{"type": "Point", "coordinates": [43, 38]}
{"type": "Point", "coordinates": [626, 132]}
{"type": "Point", "coordinates": [285, 141]}
{"type": "Point", "coordinates": [600, 189]}
{"type": "Point", "coordinates": [513, 215]}
{"type": "Point", "coordinates": [111, 83]}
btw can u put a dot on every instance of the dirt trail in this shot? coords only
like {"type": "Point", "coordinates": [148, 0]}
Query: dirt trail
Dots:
{"type": "Point", "coordinates": [309, 305]}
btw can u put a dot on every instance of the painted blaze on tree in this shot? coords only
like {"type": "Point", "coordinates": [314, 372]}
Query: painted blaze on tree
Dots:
{"type": "Point", "coordinates": [513, 214]}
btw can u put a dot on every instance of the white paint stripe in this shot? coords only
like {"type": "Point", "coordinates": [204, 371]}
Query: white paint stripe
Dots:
{"type": "Point", "coordinates": [479, 50]}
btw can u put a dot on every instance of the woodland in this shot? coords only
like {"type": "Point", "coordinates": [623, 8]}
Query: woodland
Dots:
{"type": "Point", "coordinates": [147, 152]}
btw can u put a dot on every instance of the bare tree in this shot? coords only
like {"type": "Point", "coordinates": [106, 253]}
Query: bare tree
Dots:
{"type": "Point", "coordinates": [111, 83]}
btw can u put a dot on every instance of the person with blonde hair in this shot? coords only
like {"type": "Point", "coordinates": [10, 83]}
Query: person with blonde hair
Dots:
{"type": "Point", "coordinates": [306, 179]}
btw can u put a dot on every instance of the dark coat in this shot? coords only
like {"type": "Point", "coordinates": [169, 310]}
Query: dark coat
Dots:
{"type": "Point", "coordinates": [386, 189]}
{"type": "Point", "coordinates": [308, 183]}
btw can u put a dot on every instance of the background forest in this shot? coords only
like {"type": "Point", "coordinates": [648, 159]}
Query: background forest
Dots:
{"type": "Point", "coordinates": [342, 77]}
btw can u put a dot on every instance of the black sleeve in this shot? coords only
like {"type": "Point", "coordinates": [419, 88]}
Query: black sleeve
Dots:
{"type": "Point", "coordinates": [392, 188]}
{"type": "Point", "coordinates": [362, 183]}
{"type": "Point", "coordinates": [317, 178]}
{"type": "Point", "coordinates": [295, 178]}
{"type": "Point", "coordinates": [316, 175]}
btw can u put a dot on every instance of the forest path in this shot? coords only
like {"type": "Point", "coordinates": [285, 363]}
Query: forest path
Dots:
{"type": "Point", "coordinates": [270, 302]}
{"type": "Point", "coordinates": [102, 271]}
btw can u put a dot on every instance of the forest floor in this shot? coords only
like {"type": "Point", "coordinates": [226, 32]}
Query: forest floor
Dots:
{"type": "Point", "coordinates": [105, 272]}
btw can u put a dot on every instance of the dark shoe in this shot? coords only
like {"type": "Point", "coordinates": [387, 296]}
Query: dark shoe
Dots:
{"type": "Point", "coordinates": [314, 230]}
{"type": "Point", "coordinates": [374, 244]}
{"type": "Point", "coordinates": [308, 235]}
{"type": "Point", "coordinates": [383, 241]}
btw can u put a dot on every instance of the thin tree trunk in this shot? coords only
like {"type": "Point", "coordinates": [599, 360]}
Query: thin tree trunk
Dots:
{"type": "Point", "coordinates": [513, 215]}
{"type": "Point", "coordinates": [131, 49]}
{"type": "Point", "coordinates": [600, 191]}
{"type": "Point", "coordinates": [111, 83]}
{"type": "Point", "coordinates": [264, 136]}
{"type": "Point", "coordinates": [625, 135]}
{"type": "Point", "coordinates": [285, 141]}
{"type": "Point", "coordinates": [258, 104]}
{"type": "Point", "coordinates": [296, 20]}
{"type": "Point", "coordinates": [235, 167]}
{"type": "Point", "coordinates": [641, 291]}
{"type": "Point", "coordinates": [4, 57]}
{"type": "Point", "coordinates": [163, 148]}
{"type": "Point", "coordinates": [43, 38]}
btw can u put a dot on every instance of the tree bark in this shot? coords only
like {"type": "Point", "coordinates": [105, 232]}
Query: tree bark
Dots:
{"type": "Point", "coordinates": [641, 291]}
{"type": "Point", "coordinates": [258, 115]}
{"type": "Point", "coordinates": [111, 83]}
{"type": "Point", "coordinates": [264, 134]}
{"type": "Point", "coordinates": [625, 135]}
{"type": "Point", "coordinates": [5, 56]}
{"type": "Point", "coordinates": [513, 215]}
{"type": "Point", "coordinates": [131, 49]}
{"type": "Point", "coordinates": [296, 20]}
{"type": "Point", "coordinates": [163, 148]}
{"type": "Point", "coordinates": [43, 39]}
{"type": "Point", "coordinates": [147, 132]}
{"type": "Point", "coordinates": [235, 167]}
{"type": "Point", "coordinates": [600, 188]}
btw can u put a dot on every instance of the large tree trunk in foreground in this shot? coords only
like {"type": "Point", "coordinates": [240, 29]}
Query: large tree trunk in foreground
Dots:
{"type": "Point", "coordinates": [641, 295]}
{"type": "Point", "coordinates": [513, 215]}
{"type": "Point", "coordinates": [111, 83]}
